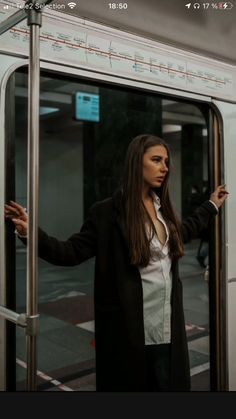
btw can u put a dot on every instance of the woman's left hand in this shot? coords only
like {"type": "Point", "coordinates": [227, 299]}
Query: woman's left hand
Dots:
{"type": "Point", "coordinates": [219, 195]}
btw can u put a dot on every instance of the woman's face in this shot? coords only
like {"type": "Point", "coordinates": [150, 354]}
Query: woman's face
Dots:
{"type": "Point", "coordinates": [155, 166]}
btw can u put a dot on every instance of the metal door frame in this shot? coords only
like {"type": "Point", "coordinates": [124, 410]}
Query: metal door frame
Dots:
{"type": "Point", "coordinates": [96, 76]}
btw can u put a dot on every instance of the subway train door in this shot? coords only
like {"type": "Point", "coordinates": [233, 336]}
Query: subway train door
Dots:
{"type": "Point", "coordinates": [85, 128]}
{"type": "Point", "coordinates": [65, 343]}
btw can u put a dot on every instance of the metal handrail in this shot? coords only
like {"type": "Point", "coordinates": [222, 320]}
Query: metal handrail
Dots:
{"type": "Point", "coordinates": [30, 323]}
{"type": "Point", "coordinates": [30, 320]}
{"type": "Point", "coordinates": [12, 316]}
{"type": "Point", "coordinates": [22, 14]}
{"type": "Point", "coordinates": [34, 21]}
{"type": "Point", "coordinates": [12, 21]}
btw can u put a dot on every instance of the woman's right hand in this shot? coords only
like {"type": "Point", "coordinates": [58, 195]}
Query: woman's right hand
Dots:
{"type": "Point", "coordinates": [19, 217]}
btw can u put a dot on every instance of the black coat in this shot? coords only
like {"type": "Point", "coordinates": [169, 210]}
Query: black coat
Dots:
{"type": "Point", "coordinates": [119, 326]}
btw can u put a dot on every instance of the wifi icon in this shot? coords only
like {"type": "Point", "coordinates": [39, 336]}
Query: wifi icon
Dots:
{"type": "Point", "coordinates": [71, 5]}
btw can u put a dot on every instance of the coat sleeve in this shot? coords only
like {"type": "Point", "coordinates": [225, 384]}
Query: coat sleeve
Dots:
{"type": "Point", "coordinates": [192, 226]}
{"type": "Point", "coordinates": [73, 251]}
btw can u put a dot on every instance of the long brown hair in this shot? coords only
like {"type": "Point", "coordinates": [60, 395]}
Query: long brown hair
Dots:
{"type": "Point", "coordinates": [136, 215]}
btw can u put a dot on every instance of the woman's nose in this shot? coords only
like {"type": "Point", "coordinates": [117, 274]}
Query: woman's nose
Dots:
{"type": "Point", "coordinates": [164, 167]}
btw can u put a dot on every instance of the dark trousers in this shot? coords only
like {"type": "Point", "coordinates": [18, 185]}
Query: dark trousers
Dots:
{"type": "Point", "coordinates": [158, 367]}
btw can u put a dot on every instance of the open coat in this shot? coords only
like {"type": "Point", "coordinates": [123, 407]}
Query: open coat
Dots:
{"type": "Point", "coordinates": [118, 298]}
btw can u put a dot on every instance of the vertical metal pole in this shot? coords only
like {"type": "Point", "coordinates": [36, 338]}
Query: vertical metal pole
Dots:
{"type": "Point", "coordinates": [33, 10]}
{"type": "Point", "coordinates": [34, 21]}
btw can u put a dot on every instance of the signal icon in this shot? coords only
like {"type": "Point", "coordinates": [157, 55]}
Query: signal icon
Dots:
{"type": "Point", "coordinates": [71, 5]}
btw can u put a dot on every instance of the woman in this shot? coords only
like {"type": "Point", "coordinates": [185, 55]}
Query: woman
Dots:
{"type": "Point", "coordinates": [140, 334]}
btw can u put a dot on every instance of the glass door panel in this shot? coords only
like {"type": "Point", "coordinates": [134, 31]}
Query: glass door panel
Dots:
{"type": "Point", "coordinates": [85, 129]}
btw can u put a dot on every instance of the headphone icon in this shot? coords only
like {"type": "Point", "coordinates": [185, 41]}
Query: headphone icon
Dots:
{"type": "Point", "coordinates": [196, 6]}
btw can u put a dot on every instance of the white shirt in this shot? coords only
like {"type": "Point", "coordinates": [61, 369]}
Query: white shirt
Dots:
{"type": "Point", "coordinates": [157, 284]}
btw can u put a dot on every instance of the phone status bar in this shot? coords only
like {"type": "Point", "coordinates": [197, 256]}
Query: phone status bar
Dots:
{"type": "Point", "coordinates": [227, 5]}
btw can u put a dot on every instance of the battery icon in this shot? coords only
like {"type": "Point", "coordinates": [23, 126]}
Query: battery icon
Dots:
{"type": "Point", "coordinates": [227, 5]}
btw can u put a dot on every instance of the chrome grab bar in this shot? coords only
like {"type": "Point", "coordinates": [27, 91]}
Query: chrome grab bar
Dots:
{"type": "Point", "coordinates": [19, 319]}
{"type": "Point", "coordinates": [30, 320]}
{"type": "Point", "coordinates": [30, 323]}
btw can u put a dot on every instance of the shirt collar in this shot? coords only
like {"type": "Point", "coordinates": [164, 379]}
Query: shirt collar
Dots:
{"type": "Point", "coordinates": [156, 201]}
{"type": "Point", "coordinates": [157, 205]}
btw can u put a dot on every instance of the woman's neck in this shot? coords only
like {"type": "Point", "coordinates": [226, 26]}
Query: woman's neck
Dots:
{"type": "Point", "coordinates": [146, 195]}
